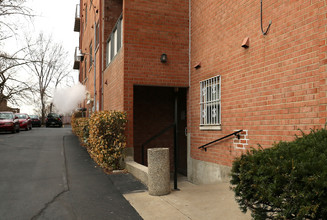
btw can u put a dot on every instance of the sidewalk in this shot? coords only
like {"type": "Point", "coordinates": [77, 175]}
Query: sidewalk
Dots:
{"type": "Point", "coordinates": [191, 202]}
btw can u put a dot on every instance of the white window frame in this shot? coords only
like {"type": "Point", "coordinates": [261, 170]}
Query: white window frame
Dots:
{"type": "Point", "coordinates": [115, 42]}
{"type": "Point", "coordinates": [210, 104]}
{"type": "Point", "coordinates": [108, 51]}
{"type": "Point", "coordinates": [112, 42]}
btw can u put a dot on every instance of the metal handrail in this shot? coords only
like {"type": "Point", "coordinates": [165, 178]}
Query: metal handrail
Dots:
{"type": "Point", "coordinates": [236, 133]}
{"type": "Point", "coordinates": [154, 137]}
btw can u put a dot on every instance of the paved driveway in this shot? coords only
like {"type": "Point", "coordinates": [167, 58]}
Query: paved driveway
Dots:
{"type": "Point", "coordinates": [46, 174]}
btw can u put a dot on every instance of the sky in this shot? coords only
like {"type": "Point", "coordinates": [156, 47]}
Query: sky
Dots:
{"type": "Point", "coordinates": [54, 18]}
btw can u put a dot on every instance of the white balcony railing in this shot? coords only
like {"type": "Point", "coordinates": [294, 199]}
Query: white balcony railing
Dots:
{"type": "Point", "coordinates": [77, 24]}
{"type": "Point", "coordinates": [77, 58]}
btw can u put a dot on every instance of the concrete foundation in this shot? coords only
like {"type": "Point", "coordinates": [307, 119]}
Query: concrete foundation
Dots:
{"type": "Point", "coordinates": [158, 171]}
{"type": "Point", "coordinates": [201, 172]}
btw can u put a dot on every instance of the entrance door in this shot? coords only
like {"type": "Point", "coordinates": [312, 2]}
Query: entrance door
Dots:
{"type": "Point", "coordinates": [154, 112]}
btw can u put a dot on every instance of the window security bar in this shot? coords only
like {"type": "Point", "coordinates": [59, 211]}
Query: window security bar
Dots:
{"type": "Point", "coordinates": [210, 98]}
{"type": "Point", "coordinates": [236, 133]}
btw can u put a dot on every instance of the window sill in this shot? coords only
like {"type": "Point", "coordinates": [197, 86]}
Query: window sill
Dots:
{"type": "Point", "coordinates": [210, 127]}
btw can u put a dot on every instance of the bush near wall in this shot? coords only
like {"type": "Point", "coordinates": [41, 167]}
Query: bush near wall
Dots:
{"type": "Point", "coordinates": [80, 127]}
{"type": "Point", "coordinates": [288, 181]}
{"type": "Point", "coordinates": [106, 138]}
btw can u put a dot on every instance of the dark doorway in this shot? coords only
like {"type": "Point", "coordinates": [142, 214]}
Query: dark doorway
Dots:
{"type": "Point", "coordinates": [154, 111]}
{"type": "Point", "coordinates": [181, 132]}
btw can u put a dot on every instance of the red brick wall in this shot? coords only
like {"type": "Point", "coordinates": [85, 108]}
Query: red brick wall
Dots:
{"type": "Point", "coordinates": [271, 89]}
{"type": "Point", "coordinates": [112, 11]}
{"type": "Point", "coordinates": [152, 28]}
{"type": "Point", "coordinates": [113, 88]}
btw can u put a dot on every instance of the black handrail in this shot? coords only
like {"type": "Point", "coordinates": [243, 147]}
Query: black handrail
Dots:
{"type": "Point", "coordinates": [236, 133]}
{"type": "Point", "coordinates": [154, 137]}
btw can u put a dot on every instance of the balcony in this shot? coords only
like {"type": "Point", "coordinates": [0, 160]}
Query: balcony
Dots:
{"type": "Point", "coordinates": [77, 59]}
{"type": "Point", "coordinates": [77, 24]}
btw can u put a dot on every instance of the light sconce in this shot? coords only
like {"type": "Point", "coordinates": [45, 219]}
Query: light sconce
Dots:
{"type": "Point", "coordinates": [106, 82]}
{"type": "Point", "coordinates": [163, 58]}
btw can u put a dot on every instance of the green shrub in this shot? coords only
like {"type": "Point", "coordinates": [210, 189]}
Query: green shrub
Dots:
{"type": "Point", "coordinates": [287, 181]}
{"type": "Point", "coordinates": [107, 139]}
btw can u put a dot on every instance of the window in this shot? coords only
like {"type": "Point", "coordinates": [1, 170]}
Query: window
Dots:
{"type": "Point", "coordinates": [85, 68]}
{"type": "Point", "coordinates": [108, 55]}
{"type": "Point", "coordinates": [114, 42]}
{"type": "Point", "coordinates": [113, 45]}
{"type": "Point", "coordinates": [85, 15]}
{"type": "Point", "coordinates": [97, 35]}
{"type": "Point", "coordinates": [119, 34]}
{"type": "Point", "coordinates": [90, 56]}
{"type": "Point", "coordinates": [210, 107]}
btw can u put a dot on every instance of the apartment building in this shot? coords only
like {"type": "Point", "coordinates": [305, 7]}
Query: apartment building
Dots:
{"type": "Point", "coordinates": [245, 72]}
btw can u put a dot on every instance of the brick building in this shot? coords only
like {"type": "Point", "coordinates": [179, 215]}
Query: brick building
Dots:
{"type": "Point", "coordinates": [4, 106]}
{"type": "Point", "coordinates": [212, 58]}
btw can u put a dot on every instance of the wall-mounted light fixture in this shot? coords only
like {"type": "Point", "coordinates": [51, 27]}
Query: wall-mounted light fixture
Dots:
{"type": "Point", "coordinates": [106, 82]}
{"type": "Point", "coordinates": [163, 58]}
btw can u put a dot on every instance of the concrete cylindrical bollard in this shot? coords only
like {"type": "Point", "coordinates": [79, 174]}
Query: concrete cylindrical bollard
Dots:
{"type": "Point", "coordinates": [158, 171]}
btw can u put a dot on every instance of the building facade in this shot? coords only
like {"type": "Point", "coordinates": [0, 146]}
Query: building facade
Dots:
{"type": "Point", "coordinates": [4, 106]}
{"type": "Point", "coordinates": [257, 69]}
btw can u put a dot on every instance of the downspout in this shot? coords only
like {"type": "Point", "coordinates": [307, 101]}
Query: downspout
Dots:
{"type": "Point", "coordinates": [189, 43]}
{"type": "Point", "coordinates": [94, 65]}
{"type": "Point", "coordinates": [102, 46]}
{"type": "Point", "coordinates": [188, 140]}
{"type": "Point", "coordinates": [94, 58]}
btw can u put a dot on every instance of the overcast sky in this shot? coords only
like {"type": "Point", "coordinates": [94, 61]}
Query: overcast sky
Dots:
{"type": "Point", "coordinates": [54, 18]}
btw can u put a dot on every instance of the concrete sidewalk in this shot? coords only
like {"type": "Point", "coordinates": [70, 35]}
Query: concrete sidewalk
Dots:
{"type": "Point", "coordinates": [214, 201]}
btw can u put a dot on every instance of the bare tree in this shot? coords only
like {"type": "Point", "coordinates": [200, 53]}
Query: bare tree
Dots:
{"type": "Point", "coordinates": [49, 67]}
{"type": "Point", "coordinates": [12, 87]}
{"type": "Point", "coordinates": [9, 9]}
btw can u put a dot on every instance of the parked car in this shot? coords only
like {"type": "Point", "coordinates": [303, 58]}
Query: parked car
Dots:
{"type": "Point", "coordinates": [53, 119]}
{"type": "Point", "coordinates": [8, 122]}
{"type": "Point", "coordinates": [24, 121]}
{"type": "Point", "coordinates": [36, 122]}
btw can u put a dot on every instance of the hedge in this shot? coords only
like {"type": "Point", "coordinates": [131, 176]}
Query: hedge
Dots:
{"type": "Point", "coordinates": [106, 138]}
{"type": "Point", "coordinates": [80, 127]}
{"type": "Point", "coordinates": [287, 181]}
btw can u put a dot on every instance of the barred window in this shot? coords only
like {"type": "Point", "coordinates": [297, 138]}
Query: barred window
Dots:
{"type": "Point", "coordinates": [210, 107]}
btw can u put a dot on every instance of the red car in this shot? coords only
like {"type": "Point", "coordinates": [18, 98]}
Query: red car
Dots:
{"type": "Point", "coordinates": [24, 121]}
{"type": "Point", "coordinates": [8, 122]}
